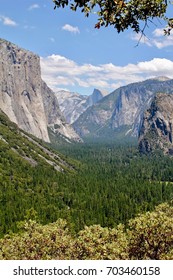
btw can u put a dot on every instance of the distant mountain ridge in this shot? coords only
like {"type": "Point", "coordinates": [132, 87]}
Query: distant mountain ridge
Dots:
{"type": "Point", "coordinates": [74, 104]}
{"type": "Point", "coordinates": [120, 113]}
{"type": "Point", "coordinates": [36, 109]}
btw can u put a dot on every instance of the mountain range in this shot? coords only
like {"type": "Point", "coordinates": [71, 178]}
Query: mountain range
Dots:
{"type": "Point", "coordinates": [74, 104]}
{"type": "Point", "coordinates": [65, 116]}
{"type": "Point", "coordinates": [83, 201]}
{"type": "Point", "coordinates": [119, 114]}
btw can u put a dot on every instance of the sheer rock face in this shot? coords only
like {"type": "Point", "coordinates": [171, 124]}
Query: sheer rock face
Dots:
{"type": "Point", "coordinates": [157, 125]}
{"type": "Point", "coordinates": [55, 119]}
{"type": "Point", "coordinates": [121, 111]}
{"type": "Point", "coordinates": [25, 98]}
{"type": "Point", "coordinates": [96, 96]}
{"type": "Point", "coordinates": [20, 89]}
{"type": "Point", "coordinates": [72, 104]}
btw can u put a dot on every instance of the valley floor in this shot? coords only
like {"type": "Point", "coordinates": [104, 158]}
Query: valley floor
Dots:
{"type": "Point", "coordinates": [106, 186]}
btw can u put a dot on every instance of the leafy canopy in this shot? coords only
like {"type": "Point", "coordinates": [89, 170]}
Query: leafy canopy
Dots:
{"type": "Point", "coordinates": [148, 237]}
{"type": "Point", "coordinates": [121, 14]}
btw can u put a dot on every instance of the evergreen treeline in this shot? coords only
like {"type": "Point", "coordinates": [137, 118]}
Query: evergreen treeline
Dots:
{"type": "Point", "coordinates": [115, 183]}
{"type": "Point", "coordinates": [100, 184]}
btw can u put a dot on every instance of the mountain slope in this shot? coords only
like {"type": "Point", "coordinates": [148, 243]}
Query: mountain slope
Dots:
{"type": "Point", "coordinates": [31, 176]}
{"type": "Point", "coordinates": [108, 186]}
{"type": "Point", "coordinates": [58, 128]}
{"type": "Point", "coordinates": [156, 129]}
{"type": "Point", "coordinates": [28, 148]}
{"type": "Point", "coordinates": [119, 114]}
{"type": "Point", "coordinates": [74, 104]}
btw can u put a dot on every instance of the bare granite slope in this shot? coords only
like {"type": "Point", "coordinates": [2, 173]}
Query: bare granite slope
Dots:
{"type": "Point", "coordinates": [24, 97]}
{"type": "Point", "coordinates": [156, 131]}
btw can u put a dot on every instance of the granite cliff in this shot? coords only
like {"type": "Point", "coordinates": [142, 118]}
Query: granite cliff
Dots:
{"type": "Point", "coordinates": [156, 132]}
{"type": "Point", "coordinates": [24, 97]}
{"type": "Point", "coordinates": [119, 114]}
{"type": "Point", "coordinates": [73, 104]}
{"type": "Point", "coordinates": [55, 119]}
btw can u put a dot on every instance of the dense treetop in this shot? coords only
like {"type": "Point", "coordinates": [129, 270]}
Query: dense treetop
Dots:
{"type": "Point", "coordinates": [148, 237]}
{"type": "Point", "coordinates": [122, 14]}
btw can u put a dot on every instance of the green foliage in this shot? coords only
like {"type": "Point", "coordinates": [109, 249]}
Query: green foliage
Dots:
{"type": "Point", "coordinates": [110, 185]}
{"type": "Point", "coordinates": [122, 183]}
{"type": "Point", "coordinates": [27, 179]}
{"type": "Point", "coordinates": [98, 243]}
{"type": "Point", "coordinates": [149, 236]}
{"type": "Point", "coordinates": [122, 14]}
{"type": "Point", "coordinates": [37, 242]}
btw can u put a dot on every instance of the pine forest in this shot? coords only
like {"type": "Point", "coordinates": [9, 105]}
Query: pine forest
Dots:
{"type": "Point", "coordinates": [107, 196]}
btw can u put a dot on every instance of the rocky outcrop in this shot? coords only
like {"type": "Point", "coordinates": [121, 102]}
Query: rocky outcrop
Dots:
{"type": "Point", "coordinates": [120, 113]}
{"type": "Point", "coordinates": [73, 104]}
{"type": "Point", "coordinates": [96, 96]}
{"type": "Point", "coordinates": [20, 89]}
{"type": "Point", "coordinates": [55, 119]}
{"type": "Point", "coordinates": [25, 98]}
{"type": "Point", "coordinates": [134, 99]}
{"type": "Point", "coordinates": [156, 132]}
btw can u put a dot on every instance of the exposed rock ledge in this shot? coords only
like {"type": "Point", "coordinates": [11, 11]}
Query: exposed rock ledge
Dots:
{"type": "Point", "coordinates": [157, 125]}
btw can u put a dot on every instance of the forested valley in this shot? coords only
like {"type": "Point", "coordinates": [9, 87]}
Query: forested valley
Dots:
{"type": "Point", "coordinates": [100, 188]}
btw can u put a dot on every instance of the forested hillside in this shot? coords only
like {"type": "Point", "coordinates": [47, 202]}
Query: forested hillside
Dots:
{"type": "Point", "coordinates": [29, 175]}
{"type": "Point", "coordinates": [83, 184]}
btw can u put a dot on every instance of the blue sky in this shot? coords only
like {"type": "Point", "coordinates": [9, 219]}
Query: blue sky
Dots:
{"type": "Point", "coordinates": [77, 57]}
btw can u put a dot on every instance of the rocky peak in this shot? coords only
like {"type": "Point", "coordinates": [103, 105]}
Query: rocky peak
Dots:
{"type": "Point", "coordinates": [120, 113]}
{"type": "Point", "coordinates": [25, 98]}
{"type": "Point", "coordinates": [156, 132]}
{"type": "Point", "coordinates": [96, 96]}
{"type": "Point", "coordinates": [73, 104]}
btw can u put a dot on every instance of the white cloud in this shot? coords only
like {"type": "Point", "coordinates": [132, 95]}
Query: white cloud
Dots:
{"type": "Point", "coordinates": [158, 39]}
{"type": "Point", "coordinates": [34, 6]}
{"type": "Point", "coordinates": [70, 28]}
{"type": "Point", "coordinates": [7, 21]}
{"type": "Point", "coordinates": [157, 67]}
{"type": "Point", "coordinates": [158, 32]}
{"type": "Point", "coordinates": [59, 71]}
{"type": "Point", "coordinates": [160, 44]}
{"type": "Point", "coordinates": [141, 39]}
